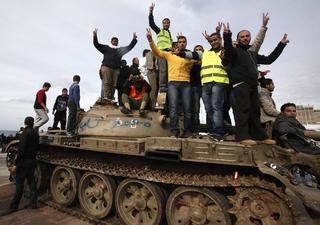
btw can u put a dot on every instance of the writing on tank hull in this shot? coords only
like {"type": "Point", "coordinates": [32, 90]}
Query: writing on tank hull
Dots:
{"type": "Point", "coordinates": [92, 123]}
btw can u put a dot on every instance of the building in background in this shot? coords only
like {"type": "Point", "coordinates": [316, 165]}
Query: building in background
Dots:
{"type": "Point", "coordinates": [308, 115]}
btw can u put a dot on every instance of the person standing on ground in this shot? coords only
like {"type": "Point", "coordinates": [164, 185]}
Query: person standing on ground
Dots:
{"type": "Point", "coordinates": [25, 165]}
{"type": "Point", "coordinates": [60, 110]}
{"type": "Point", "coordinates": [164, 43]}
{"type": "Point", "coordinates": [40, 106]}
{"type": "Point", "coordinates": [73, 105]}
{"type": "Point", "coordinates": [110, 68]}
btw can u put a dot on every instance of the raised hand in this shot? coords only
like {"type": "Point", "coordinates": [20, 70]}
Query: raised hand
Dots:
{"type": "Point", "coordinates": [134, 35]}
{"type": "Point", "coordinates": [95, 31]}
{"type": "Point", "coordinates": [149, 35]}
{"type": "Point", "coordinates": [265, 19]}
{"type": "Point", "coordinates": [226, 28]}
{"type": "Point", "coordinates": [285, 39]}
{"type": "Point", "coordinates": [151, 7]}
{"type": "Point", "coordinates": [218, 27]}
{"type": "Point", "coordinates": [221, 54]}
{"type": "Point", "coordinates": [179, 34]}
{"type": "Point", "coordinates": [206, 35]}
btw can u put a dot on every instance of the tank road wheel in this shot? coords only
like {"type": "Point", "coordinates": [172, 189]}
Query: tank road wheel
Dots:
{"type": "Point", "coordinates": [63, 185]}
{"type": "Point", "coordinates": [11, 158]}
{"type": "Point", "coordinates": [96, 194]}
{"type": "Point", "coordinates": [139, 202]}
{"type": "Point", "coordinates": [196, 206]}
{"type": "Point", "coordinates": [257, 206]}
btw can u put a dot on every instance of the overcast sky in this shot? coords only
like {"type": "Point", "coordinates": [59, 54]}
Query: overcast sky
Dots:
{"type": "Point", "coordinates": [51, 40]}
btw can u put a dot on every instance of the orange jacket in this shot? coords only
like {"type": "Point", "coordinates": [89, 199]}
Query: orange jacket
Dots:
{"type": "Point", "coordinates": [136, 95]}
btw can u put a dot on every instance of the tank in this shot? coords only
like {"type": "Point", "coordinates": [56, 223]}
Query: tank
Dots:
{"type": "Point", "coordinates": [129, 168]}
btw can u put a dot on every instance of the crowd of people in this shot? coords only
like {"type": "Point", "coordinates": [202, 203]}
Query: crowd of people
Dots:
{"type": "Point", "coordinates": [63, 101]}
{"type": "Point", "coordinates": [225, 75]}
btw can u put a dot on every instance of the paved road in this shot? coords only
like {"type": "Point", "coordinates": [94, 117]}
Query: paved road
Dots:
{"type": "Point", "coordinates": [40, 216]}
{"type": "Point", "coordinates": [4, 173]}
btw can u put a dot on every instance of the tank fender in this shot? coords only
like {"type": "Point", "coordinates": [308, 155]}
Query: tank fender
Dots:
{"type": "Point", "coordinates": [309, 196]}
{"type": "Point", "coordinates": [14, 142]}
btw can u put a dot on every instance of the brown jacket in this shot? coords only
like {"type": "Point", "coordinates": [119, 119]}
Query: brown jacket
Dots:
{"type": "Point", "coordinates": [268, 107]}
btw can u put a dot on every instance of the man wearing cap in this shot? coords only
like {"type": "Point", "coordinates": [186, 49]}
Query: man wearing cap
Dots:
{"type": "Point", "coordinates": [25, 165]}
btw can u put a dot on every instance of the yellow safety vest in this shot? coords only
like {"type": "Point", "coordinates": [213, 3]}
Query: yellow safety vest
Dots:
{"type": "Point", "coordinates": [164, 39]}
{"type": "Point", "coordinates": [212, 68]}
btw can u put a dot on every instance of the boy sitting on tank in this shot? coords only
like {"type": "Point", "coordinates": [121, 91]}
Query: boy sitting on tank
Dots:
{"type": "Point", "coordinates": [135, 95]}
{"type": "Point", "coordinates": [288, 131]}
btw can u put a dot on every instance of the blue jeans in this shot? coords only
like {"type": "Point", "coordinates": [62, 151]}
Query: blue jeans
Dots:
{"type": "Point", "coordinates": [213, 95]}
{"type": "Point", "coordinates": [179, 92]}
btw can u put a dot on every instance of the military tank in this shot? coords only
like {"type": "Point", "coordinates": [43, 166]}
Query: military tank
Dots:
{"type": "Point", "coordinates": [127, 166]}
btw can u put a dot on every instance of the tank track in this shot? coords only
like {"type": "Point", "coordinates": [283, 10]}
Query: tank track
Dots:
{"type": "Point", "coordinates": [158, 176]}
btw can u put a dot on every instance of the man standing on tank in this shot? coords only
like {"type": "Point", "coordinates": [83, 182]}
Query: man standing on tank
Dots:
{"type": "Point", "coordinates": [244, 80]}
{"type": "Point", "coordinates": [40, 106]}
{"type": "Point", "coordinates": [60, 110]}
{"type": "Point", "coordinates": [164, 43]}
{"type": "Point", "coordinates": [25, 165]}
{"type": "Point", "coordinates": [73, 105]}
{"type": "Point", "coordinates": [110, 68]}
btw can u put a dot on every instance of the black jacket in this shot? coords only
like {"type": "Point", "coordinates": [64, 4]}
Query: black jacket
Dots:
{"type": "Point", "coordinates": [123, 76]}
{"type": "Point", "coordinates": [112, 56]}
{"type": "Point", "coordinates": [294, 131]}
{"type": "Point", "coordinates": [29, 142]}
{"type": "Point", "coordinates": [243, 63]}
{"type": "Point", "coordinates": [61, 103]}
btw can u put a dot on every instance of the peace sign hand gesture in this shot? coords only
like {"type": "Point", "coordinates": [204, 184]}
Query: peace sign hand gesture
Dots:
{"type": "Point", "coordinates": [226, 28]}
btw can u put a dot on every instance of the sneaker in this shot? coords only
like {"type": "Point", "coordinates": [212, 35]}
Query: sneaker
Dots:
{"type": "Point", "coordinates": [70, 134]}
{"type": "Point", "coordinates": [269, 141]}
{"type": "Point", "coordinates": [142, 112]}
{"type": "Point", "coordinates": [214, 137]}
{"type": "Point", "coordinates": [248, 142]}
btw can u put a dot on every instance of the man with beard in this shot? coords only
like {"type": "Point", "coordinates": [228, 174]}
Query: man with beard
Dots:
{"type": "Point", "coordinates": [244, 80]}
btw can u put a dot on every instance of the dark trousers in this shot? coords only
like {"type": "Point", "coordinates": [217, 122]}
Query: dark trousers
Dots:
{"type": "Point", "coordinates": [163, 73]}
{"type": "Point", "coordinates": [59, 116]}
{"type": "Point", "coordinates": [246, 111]}
{"type": "Point", "coordinates": [72, 117]}
{"type": "Point", "coordinates": [195, 107]}
{"type": "Point", "coordinates": [25, 171]}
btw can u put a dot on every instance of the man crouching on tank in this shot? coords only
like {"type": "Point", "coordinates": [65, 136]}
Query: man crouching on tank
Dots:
{"type": "Point", "coordinates": [135, 95]}
{"type": "Point", "coordinates": [25, 165]}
